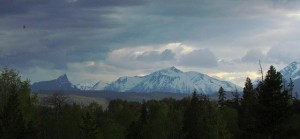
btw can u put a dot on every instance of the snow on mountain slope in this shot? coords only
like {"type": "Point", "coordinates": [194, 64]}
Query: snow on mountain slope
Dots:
{"type": "Point", "coordinates": [86, 85]}
{"type": "Point", "coordinates": [171, 80]}
{"type": "Point", "coordinates": [291, 71]}
{"type": "Point", "coordinates": [92, 85]}
{"type": "Point", "coordinates": [99, 85]}
{"type": "Point", "coordinates": [124, 84]}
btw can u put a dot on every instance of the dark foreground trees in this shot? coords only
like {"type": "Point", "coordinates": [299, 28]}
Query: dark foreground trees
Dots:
{"type": "Point", "coordinates": [267, 111]}
{"type": "Point", "coordinates": [248, 111]}
{"type": "Point", "coordinates": [202, 120]}
{"type": "Point", "coordinates": [273, 103]}
{"type": "Point", "coordinates": [17, 107]}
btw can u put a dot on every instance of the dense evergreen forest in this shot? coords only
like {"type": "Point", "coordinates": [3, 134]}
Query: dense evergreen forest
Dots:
{"type": "Point", "coordinates": [266, 111]}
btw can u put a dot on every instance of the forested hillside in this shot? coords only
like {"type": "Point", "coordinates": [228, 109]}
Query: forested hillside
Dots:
{"type": "Point", "coordinates": [265, 112]}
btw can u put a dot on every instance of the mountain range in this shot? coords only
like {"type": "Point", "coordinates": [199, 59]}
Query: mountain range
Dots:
{"type": "Point", "coordinates": [166, 80]}
{"type": "Point", "coordinates": [170, 80]}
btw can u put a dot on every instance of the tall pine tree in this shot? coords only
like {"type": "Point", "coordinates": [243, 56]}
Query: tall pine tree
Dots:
{"type": "Point", "coordinates": [273, 104]}
{"type": "Point", "coordinates": [190, 121]}
{"type": "Point", "coordinates": [222, 97]}
{"type": "Point", "coordinates": [248, 117]}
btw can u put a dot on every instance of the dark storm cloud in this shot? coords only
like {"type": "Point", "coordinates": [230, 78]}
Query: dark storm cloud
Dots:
{"type": "Point", "coordinates": [57, 32]}
{"type": "Point", "coordinates": [55, 14]}
{"type": "Point", "coordinates": [51, 58]}
{"type": "Point", "coordinates": [25, 6]}
{"type": "Point", "coordinates": [156, 56]}
{"type": "Point", "coordinates": [101, 3]}
{"type": "Point", "coordinates": [17, 7]}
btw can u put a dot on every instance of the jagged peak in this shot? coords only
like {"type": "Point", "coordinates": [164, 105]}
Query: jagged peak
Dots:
{"type": "Point", "coordinates": [291, 71]}
{"type": "Point", "coordinates": [63, 77]}
{"type": "Point", "coordinates": [173, 69]}
{"type": "Point", "coordinates": [292, 65]}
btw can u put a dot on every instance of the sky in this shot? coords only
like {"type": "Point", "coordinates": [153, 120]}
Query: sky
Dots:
{"type": "Point", "coordinates": [93, 40]}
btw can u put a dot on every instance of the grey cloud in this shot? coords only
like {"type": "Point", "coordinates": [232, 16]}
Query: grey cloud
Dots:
{"type": "Point", "coordinates": [59, 31]}
{"type": "Point", "coordinates": [167, 55]}
{"type": "Point", "coordinates": [199, 58]}
{"type": "Point", "coordinates": [23, 7]}
{"type": "Point", "coordinates": [156, 56]}
{"type": "Point", "coordinates": [253, 55]}
{"type": "Point", "coordinates": [30, 49]}
{"type": "Point", "coordinates": [285, 53]}
{"type": "Point", "coordinates": [102, 3]}
{"type": "Point", "coordinates": [17, 7]}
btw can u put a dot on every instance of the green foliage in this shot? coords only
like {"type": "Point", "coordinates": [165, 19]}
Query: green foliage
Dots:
{"type": "Point", "coordinates": [17, 107]}
{"type": "Point", "coordinates": [230, 119]}
{"type": "Point", "coordinates": [202, 120]}
{"type": "Point", "coordinates": [60, 125]}
{"type": "Point", "coordinates": [157, 125]}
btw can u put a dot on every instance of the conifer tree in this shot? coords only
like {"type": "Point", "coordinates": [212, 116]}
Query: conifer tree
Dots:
{"type": "Point", "coordinates": [273, 104]}
{"type": "Point", "coordinates": [191, 116]}
{"type": "Point", "coordinates": [222, 97]}
{"type": "Point", "coordinates": [88, 127]}
{"type": "Point", "coordinates": [247, 118]}
{"type": "Point", "coordinates": [135, 128]}
{"type": "Point", "coordinates": [202, 120]}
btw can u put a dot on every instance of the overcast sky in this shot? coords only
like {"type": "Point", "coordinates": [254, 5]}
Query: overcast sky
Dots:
{"type": "Point", "coordinates": [104, 39]}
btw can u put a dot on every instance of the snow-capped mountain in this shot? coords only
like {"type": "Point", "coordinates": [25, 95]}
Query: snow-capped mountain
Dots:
{"type": "Point", "coordinates": [100, 85]}
{"type": "Point", "coordinates": [92, 85]}
{"type": "Point", "coordinates": [124, 84]}
{"type": "Point", "coordinates": [85, 86]}
{"type": "Point", "coordinates": [291, 71]}
{"type": "Point", "coordinates": [171, 80]}
{"type": "Point", "coordinates": [62, 83]}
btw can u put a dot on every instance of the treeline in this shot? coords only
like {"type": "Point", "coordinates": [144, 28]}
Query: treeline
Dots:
{"type": "Point", "coordinates": [267, 111]}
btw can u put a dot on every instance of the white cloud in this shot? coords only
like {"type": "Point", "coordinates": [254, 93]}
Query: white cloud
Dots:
{"type": "Point", "coordinates": [238, 78]}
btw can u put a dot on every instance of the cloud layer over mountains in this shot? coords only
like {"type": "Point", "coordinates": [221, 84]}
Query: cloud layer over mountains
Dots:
{"type": "Point", "coordinates": [104, 39]}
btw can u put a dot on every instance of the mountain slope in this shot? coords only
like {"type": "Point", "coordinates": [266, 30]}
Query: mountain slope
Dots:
{"type": "Point", "coordinates": [62, 83]}
{"type": "Point", "coordinates": [99, 85]}
{"type": "Point", "coordinates": [124, 84]}
{"type": "Point", "coordinates": [291, 71]}
{"type": "Point", "coordinates": [85, 86]}
{"type": "Point", "coordinates": [171, 80]}
{"type": "Point", "coordinates": [92, 86]}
